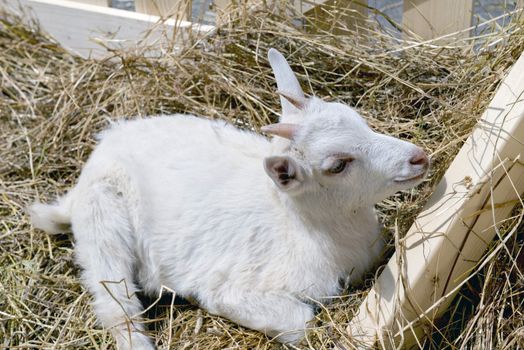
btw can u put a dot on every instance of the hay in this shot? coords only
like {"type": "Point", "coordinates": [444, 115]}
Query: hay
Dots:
{"type": "Point", "coordinates": [52, 104]}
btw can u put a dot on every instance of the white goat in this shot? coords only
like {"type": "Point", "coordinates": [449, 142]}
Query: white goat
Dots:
{"type": "Point", "coordinates": [249, 228]}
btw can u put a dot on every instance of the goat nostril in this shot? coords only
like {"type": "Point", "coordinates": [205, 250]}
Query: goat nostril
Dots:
{"type": "Point", "coordinates": [419, 158]}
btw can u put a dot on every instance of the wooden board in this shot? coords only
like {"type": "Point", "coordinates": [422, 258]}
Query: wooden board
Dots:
{"type": "Point", "coordinates": [220, 7]}
{"type": "Point", "coordinates": [428, 19]}
{"type": "Point", "coordinates": [95, 2]}
{"type": "Point", "coordinates": [450, 236]}
{"type": "Point", "coordinates": [180, 9]}
{"type": "Point", "coordinates": [85, 29]}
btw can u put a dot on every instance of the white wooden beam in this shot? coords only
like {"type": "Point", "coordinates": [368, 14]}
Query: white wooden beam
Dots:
{"type": "Point", "coordinates": [429, 19]}
{"type": "Point", "coordinates": [85, 29]}
{"type": "Point", "coordinates": [95, 2]}
{"type": "Point", "coordinates": [180, 9]}
{"type": "Point", "coordinates": [449, 237]}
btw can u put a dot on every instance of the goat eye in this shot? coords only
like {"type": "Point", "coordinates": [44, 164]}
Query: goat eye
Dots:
{"type": "Point", "coordinates": [338, 166]}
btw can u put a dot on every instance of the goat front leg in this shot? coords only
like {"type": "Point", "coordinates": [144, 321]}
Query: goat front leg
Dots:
{"type": "Point", "coordinates": [104, 249]}
{"type": "Point", "coordinates": [277, 314]}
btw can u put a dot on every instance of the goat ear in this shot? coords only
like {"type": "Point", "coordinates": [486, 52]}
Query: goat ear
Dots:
{"type": "Point", "coordinates": [297, 101]}
{"type": "Point", "coordinates": [285, 130]}
{"type": "Point", "coordinates": [285, 172]}
{"type": "Point", "coordinates": [287, 82]}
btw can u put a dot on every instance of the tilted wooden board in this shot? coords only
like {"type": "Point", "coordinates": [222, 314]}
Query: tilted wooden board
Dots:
{"type": "Point", "coordinates": [450, 236]}
{"type": "Point", "coordinates": [95, 2]}
{"type": "Point", "coordinates": [430, 19]}
{"type": "Point", "coordinates": [179, 8]}
{"type": "Point", "coordinates": [87, 29]}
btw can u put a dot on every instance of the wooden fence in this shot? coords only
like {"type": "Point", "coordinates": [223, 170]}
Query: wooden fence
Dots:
{"type": "Point", "coordinates": [101, 24]}
{"type": "Point", "coordinates": [425, 19]}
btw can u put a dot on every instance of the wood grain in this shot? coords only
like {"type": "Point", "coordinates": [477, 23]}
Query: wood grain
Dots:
{"type": "Point", "coordinates": [429, 19]}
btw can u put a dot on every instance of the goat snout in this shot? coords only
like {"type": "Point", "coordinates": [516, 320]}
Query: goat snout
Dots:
{"type": "Point", "coordinates": [419, 158]}
{"type": "Point", "coordinates": [415, 168]}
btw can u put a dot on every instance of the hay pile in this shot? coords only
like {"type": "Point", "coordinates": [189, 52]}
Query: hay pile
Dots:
{"type": "Point", "coordinates": [52, 104]}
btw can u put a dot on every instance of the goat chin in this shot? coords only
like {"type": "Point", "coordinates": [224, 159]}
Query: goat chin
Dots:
{"type": "Point", "coordinates": [254, 230]}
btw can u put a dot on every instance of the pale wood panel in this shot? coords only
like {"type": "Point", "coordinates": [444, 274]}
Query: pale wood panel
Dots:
{"type": "Point", "coordinates": [86, 29]}
{"type": "Point", "coordinates": [450, 236]}
{"type": "Point", "coordinates": [95, 2]}
{"type": "Point", "coordinates": [221, 5]}
{"type": "Point", "coordinates": [222, 8]}
{"type": "Point", "coordinates": [180, 9]}
{"type": "Point", "coordinates": [428, 19]}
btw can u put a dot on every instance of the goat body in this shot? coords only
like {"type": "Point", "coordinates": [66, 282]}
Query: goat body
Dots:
{"type": "Point", "coordinates": [252, 229]}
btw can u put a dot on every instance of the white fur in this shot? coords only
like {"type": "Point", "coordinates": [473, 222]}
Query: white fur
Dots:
{"type": "Point", "coordinates": [185, 203]}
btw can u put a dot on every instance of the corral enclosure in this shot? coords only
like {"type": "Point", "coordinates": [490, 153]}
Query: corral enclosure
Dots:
{"type": "Point", "coordinates": [433, 93]}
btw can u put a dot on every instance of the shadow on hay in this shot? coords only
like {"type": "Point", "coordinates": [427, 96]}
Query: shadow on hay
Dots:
{"type": "Point", "coordinates": [158, 309]}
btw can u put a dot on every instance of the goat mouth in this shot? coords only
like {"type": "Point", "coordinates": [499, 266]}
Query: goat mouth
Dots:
{"type": "Point", "coordinates": [410, 179]}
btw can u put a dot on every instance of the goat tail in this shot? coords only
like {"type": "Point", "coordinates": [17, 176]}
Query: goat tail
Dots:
{"type": "Point", "coordinates": [52, 218]}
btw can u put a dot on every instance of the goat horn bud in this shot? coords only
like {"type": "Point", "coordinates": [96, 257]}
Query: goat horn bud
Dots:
{"type": "Point", "coordinates": [284, 130]}
{"type": "Point", "coordinates": [297, 101]}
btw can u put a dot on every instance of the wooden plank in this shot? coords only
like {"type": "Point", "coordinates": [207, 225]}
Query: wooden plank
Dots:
{"type": "Point", "coordinates": [429, 19]}
{"type": "Point", "coordinates": [180, 9]}
{"type": "Point", "coordinates": [222, 8]}
{"type": "Point", "coordinates": [449, 237]}
{"type": "Point", "coordinates": [86, 29]}
{"type": "Point", "coordinates": [222, 4]}
{"type": "Point", "coordinates": [95, 2]}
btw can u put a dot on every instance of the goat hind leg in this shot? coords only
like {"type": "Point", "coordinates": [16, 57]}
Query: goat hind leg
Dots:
{"type": "Point", "coordinates": [278, 314]}
{"type": "Point", "coordinates": [104, 249]}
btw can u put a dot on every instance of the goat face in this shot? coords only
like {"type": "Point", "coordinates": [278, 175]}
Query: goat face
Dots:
{"type": "Point", "coordinates": [330, 151]}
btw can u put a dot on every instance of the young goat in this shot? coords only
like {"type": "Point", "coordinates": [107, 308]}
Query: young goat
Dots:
{"type": "Point", "coordinates": [251, 229]}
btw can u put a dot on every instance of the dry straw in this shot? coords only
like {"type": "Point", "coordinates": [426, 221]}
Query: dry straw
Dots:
{"type": "Point", "coordinates": [52, 104]}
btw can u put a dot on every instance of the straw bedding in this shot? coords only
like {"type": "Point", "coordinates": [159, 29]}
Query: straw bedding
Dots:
{"type": "Point", "coordinates": [52, 104]}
